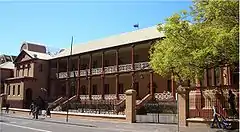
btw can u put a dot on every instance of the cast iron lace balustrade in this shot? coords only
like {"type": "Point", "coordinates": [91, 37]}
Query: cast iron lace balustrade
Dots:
{"type": "Point", "coordinates": [107, 70]}
{"type": "Point", "coordinates": [96, 71]}
{"type": "Point", "coordinates": [163, 96]}
{"type": "Point", "coordinates": [96, 97]}
{"type": "Point", "coordinates": [121, 96]}
{"type": "Point", "coordinates": [110, 96]}
{"type": "Point", "coordinates": [84, 97]}
{"type": "Point", "coordinates": [125, 68]}
{"type": "Point", "coordinates": [110, 69]}
{"type": "Point", "coordinates": [142, 66]}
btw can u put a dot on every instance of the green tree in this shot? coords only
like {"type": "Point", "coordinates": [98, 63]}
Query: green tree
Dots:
{"type": "Point", "coordinates": [206, 36]}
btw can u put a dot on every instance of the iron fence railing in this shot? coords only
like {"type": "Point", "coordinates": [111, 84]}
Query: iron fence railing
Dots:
{"type": "Point", "coordinates": [94, 106]}
{"type": "Point", "coordinates": [201, 103]}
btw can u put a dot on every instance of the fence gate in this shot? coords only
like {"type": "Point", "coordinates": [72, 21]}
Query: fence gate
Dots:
{"type": "Point", "coordinates": [161, 109]}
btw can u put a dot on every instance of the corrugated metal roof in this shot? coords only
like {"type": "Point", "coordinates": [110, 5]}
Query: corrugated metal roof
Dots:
{"type": "Point", "coordinates": [7, 65]}
{"type": "Point", "coordinates": [112, 41]}
{"type": "Point", "coordinates": [38, 55]}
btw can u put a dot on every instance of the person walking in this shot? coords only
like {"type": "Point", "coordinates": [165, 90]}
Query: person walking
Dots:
{"type": "Point", "coordinates": [48, 112]}
{"type": "Point", "coordinates": [36, 111]}
{"type": "Point", "coordinates": [31, 108]}
{"type": "Point", "coordinates": [7, 108]}
{"type": "Point", "coordinates": [215, 118]}
{"type": "Point", "coordinates": [231, 101]}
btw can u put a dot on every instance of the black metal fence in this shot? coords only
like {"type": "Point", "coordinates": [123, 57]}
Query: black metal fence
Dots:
{"type": "Point", "coordinates": [201, 103]}
{"type": "Point", "coordinates": [158, 112]}
{"type": "Point", "coordinates": [94, 106]}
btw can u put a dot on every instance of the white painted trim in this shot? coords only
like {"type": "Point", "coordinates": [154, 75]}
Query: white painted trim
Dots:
{"type": "Point", "coordinates": [196, 119]}
{"type": "Point", "coordinates": [88, 114]}
{"type": "Point", "coordinates": [17, 109]}
{"type": "Point", "coordinates": [202, 119]}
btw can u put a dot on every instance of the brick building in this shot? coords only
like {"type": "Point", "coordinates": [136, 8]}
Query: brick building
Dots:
{"type": "Point", "coordinates": [97, 70]}
{"type": "Point", "coordinates": [6, 69]}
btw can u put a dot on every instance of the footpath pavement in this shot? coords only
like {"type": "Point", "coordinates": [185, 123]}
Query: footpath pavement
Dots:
{"type": "Point", "coordinates": [135, 127]}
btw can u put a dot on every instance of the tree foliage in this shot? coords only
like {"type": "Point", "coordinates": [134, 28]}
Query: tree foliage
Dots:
{"type": "Point", "coordinates": [206, 36]}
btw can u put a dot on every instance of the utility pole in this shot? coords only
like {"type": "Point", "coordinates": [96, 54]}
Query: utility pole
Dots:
{"type": "Point", "coordinates": [69, 77]}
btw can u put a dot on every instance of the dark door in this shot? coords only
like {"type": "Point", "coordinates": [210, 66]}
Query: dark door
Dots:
{"type": "Point", "coordinates": [28, 97]}
{"type": "Point", "coordinates": [83, 90]}
{"type": "Point", "coordinates": [73, 88]}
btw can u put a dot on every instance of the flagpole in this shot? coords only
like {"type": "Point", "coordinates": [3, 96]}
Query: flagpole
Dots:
{"type": "Point", "coordinates": [69, 83]}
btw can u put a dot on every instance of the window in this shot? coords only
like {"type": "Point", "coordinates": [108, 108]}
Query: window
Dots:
{"type": "Point", "coordinates": [94, 91]}
{"type": "Point", "coordinates": [40, 68]}
{"type": "Point", "coordinates": [84, 66]}
{"type": "Point", "coordinates": [2, 87]}
{"type": "Point", "coordinates": [73, 67]}
{"type": "Point", "coordinates": [13, 90]}
{"type": "Point", "coordinates": [169, 85]}
{"type": "Point", "coordinates": [17, 72]}
{"type": "Point", "coordinates": [136, 87]}
{"type": "Point", "coordinates": [120, 88]}
{"type": "Point", "coordinates": [28, 66]}
{"type": "Point", "coordinates": [217, 76]}
{"type": "Point", "coordinates": [18, 91]}
{"type": "Point", "coordinates": [136, 58]}
{"type": "Point", "coordinates": [95, 64]}
{"type": "Point", "coordinates": [23, 70]}
{"type": "Point", "coordinates": [106, 63]}
{"type": "Point", "coordinates": [106, 88]}
{"type": "Point", "coordinates": [209, 77]}
{"type": "Point", "coordinates": [9, 87]}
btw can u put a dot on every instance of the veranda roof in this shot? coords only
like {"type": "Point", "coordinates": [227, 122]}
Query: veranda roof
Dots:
{"type": "Point", "coordinates": [113, 41]}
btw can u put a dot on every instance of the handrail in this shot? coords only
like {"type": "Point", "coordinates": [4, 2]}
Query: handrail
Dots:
{"type": "Point", "coordinates": [57, 102]}
{"type": "Point", "coordinates": [57, 99]}
{"type": "Point", "coordinates": [69, 100]}
{"type": "Point", "coordinates": [143, 101]}
{"type": "Point", "coordinates": [119, 105]}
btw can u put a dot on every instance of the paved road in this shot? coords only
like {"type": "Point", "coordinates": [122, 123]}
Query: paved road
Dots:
{"type": "Point", "coordinates": [16, 123]}
{"type": "Point", "coordinates": [23, 125]}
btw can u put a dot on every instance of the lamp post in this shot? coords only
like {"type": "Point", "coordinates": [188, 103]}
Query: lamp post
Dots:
{"type": "Point", "coordinates": [44, 90]}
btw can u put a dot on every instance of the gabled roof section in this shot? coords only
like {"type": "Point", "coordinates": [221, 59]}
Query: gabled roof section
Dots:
{"type": "Point", "coordinates": [116, 40]}
{"type": "Point", "coordinates": [7, 65]}
{"type": "Point", "coordinates": [36, 55]}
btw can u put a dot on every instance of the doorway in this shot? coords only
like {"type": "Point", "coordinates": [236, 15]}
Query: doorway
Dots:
{"type": "Point", "coordinates": [28, 97]}
{"type": "Point", "coordinates": [136, 87]}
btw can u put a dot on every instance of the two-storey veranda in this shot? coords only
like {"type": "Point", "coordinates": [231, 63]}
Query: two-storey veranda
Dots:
{"type": "Point", "coordinates": [106, 68]}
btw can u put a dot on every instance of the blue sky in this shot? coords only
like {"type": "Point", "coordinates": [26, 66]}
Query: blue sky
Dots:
{"type": "Point", "coordinates": [53, 23]}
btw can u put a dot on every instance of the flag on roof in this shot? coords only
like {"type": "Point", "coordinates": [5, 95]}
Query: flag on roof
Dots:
{"type": "Point", "coordinates": [136, 25]}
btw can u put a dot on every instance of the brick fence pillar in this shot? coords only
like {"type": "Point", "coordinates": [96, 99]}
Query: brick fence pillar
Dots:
{"type": "Point", "coordinates": [130, 106]}
{"type": "Point", "coordinates": [183, 105]}
{"type": "Point", "coordinates": [2, 98]}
